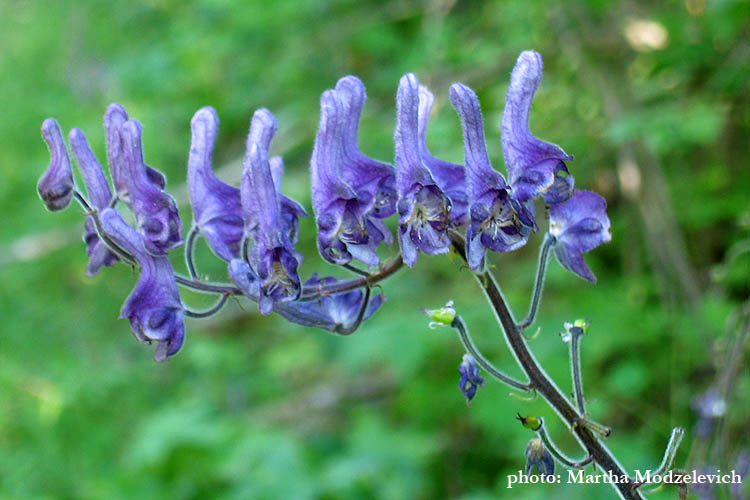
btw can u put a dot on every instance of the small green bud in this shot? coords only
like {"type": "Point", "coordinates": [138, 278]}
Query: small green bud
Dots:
{"type": "Point", "coordinates": [530, 422]}
{"type": "Point", "coordinates": [443, 316]}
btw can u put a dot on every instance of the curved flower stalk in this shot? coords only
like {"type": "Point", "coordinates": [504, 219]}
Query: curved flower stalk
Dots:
{"type": "Point", "coordinates": [155, 211]}
{"type": "Point", "coordinates": [345, 229]}
{"type": "Point", "coordinates": [153, 307]}
{"type": "Point", "coordinates": [579, 225]}
{"type": "Point", "coordinates": [499, 221]}
{"type": "Point", "coordinates": [535, 167]}
{"type": "Point", "coordinates": [272, 256]}
{"type": "Point", "coordinates": [451, 178]}
{"type": "Point", "coordinates": [423, 208]}
{"type": "Point", "coordinates": [99, 195]}
{"type": "Point", "coordinates": [55, 187]}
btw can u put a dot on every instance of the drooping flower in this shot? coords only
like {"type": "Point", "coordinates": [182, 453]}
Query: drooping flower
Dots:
{"type": "Point", "coordinates": [538, 456]}
{"type": "Point", "coordinates": [423, 208]}
{"type": "Point", "coordinates": [499, 221]}
{"type": "Point", "coordinates": [451, 178]}
{"type": "Point", "coordinates": [335, 313]}
{"type": "Point", "coordinates": [99, 196]}
{"type": "Point", "coordinates": [345, 229]}
{"type": "Point", "coordinates": [535, 167]}
{"type": "Point", "coordinates": [155, 211]}
{"type": "Point", "coordinates": [153, 307]}
{"type": "Point", "coordinates": [272, 256]}
{"type": "Point", "coordinates": [470, 379]}
{"type": "Point", "coordinates": [55, 187]}
{"type": "Point", "coordinates": [579, 225]}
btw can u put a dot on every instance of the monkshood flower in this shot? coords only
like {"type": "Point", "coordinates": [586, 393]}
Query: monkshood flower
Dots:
{"type": "Point", "coordinates": [55, 187]}
{"type": "Point", "coordinates": [335, 313]}
{"type": "Point", "coordinates": [99, 197]}
{"type": "Point", "coordinates": [155, 211]}
{"type": "Point", "coordinates": [578, 225]}
{"type": "Point", "coordinates": [534, 167]}
{"type": "Point", "coordinates": [499, 221]}
{"type": "Point", "coordinates": [272, 256]}
{"type": "Point", "coordinates": [153, 307]}
{"type": "Point", "coordinates": [451, 178]}
{"type": "Point", "coordinates": [345, 229]}
{"type": "Point", "coordinates": [710, 407]}
{"type": "Point", "coordinates": [470, 379]}
{"type": "Point", "coordinates": [538, 456]}
{"type": "Point", "coordinates": [423, 208]}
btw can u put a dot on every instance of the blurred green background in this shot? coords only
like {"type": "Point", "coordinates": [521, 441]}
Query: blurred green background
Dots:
{"type": "Point", "coordinates": [651, 97]}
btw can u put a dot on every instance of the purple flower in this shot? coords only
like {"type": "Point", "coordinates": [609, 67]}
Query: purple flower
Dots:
{"type": "Point", "coordinates": [217, 211]}
{"type": "Point", "coordinates": [423, 208]}
{"type": "Point", "coordinates": [348, 223]}
{"type": "Point", "coordinates": [272, 256]}
{"type": "Point", "coordinates": [155, 211]}
{"type": "Point", "coordinates": [538, 456]}
{"type": "Point", "coordinates": [499, 221]}
{"type": "Point", "coordinates": [535, 167]}
{"type": "Point", "coordinates": [99, 195]}
{"type": "Point", "coordinates": [578, 225]}
{"type": "Point", "coordinates": [336, 313]}
{"type": "Point", "coordinates": [55, 187]}
{"type": "Point", "coordinates": [470, 378]}
{"type": "Point", "coordinates": [451, 178]}
{"type": "Point", "coordinates": [153, 307]}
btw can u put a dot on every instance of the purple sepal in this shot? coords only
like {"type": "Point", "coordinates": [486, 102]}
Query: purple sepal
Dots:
{"type": "Point", "coordinates": [334, 313]}
{"type": "Point", "coordinates": [450, 177]}
{"type": "Point", "coordinates": [346, 230]}
{"type": "Point", "coordinates": [153, 307]}
{"type": "Point", "coordinates": [470, 379]}
{"type": "Point", "coordinates": [423, 208]}
{"type": "Point", "coordinates": [99, 195]}
{"type": "Point", "coordinates": [291, 210]}
{"type": "Point", "coordinates": [155, 211]}
{"type": "Point", "coordinates": [55, 187]}
{"type": "Point", "coordinates": [272, 255]}
{"type": "Point", "coordinates": [579, 224]}
{"type": "Point", "coordinates": [532, 163]}
{"type": "Point", "coordinates": [498, 220]}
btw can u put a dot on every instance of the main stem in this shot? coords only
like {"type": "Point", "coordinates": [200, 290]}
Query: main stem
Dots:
{"type": "Point", "coordinates": [543, 384]}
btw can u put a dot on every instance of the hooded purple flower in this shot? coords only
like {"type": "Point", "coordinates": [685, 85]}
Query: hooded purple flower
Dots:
{"type": "Point", "coordinates": [578, 225]}
{"type": "Point", "coordinates": [272, 256]}
{"type": "Point", "coordinates": [535, 167]}
{"type": "Point", "coordinates": [499, 221]}
{"type": "Point", "coordinates": [451, 178]}
{"type": "Point", "coordinates": [155, 210]}
{"type": "Point", "coordinates": [538, 456]}
{"type": "Point", "coordinates": [346, 230]}
{"type": "Point", "coordinates": [100, 195]}
{"type": "Point", "coordinates": [55, 187]}
{"type": "Point", "coordinates": [153, 307]}
{"type": "Point", "coordinates": [423, 208]}
{"type": "Point", "coordinates": [217, 211]}
{"type": "Point", "coordinates": [470, 378]}
{"type": "Point", "coordinates": [335, 313]}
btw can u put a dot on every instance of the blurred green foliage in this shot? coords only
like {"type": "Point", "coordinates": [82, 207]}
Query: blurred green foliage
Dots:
{"type": "Point", "coordinates": [255, 408]}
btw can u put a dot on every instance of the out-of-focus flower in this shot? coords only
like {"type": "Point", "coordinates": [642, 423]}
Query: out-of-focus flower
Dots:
{"type": "Point", "coordinates": [709, 406]}
{"type": "Point", "coordinates": [423, 208]}
{"type": "Point", "coordinates": [272, 256]}
{"type": "Point", "coordinates": [535, 167]}
{"type": "Point", "coordinates": [578, 225]}
{"type": "Point", "coordinates": [155, 211]}
{"type": "Point", "coordinates": [55, 187]}
{"type": "Point", "coordinates": [470, 379]}
{"type": "Point", "coordinates": [99, 196]}
{"type": "Point", "coordinates": [538, 456]}
{"type": "Point", "coordinates": [153, 307]}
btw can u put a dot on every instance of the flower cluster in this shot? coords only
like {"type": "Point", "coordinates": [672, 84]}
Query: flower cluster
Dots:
{"type": "Point", "coordinates": [254, 228]}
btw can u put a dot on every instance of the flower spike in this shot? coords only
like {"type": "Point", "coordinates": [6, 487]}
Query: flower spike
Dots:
{"type": "Point", "coordinates": [535, 167]}
{"type": "Point", "coordinates": [100, 195]}
{"type": "Point", "coordinates": [55, 187]}
{"type": "Point", "coordinates": [423, 208]}
{"type": "Point", "coordinates": [153, 307]}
